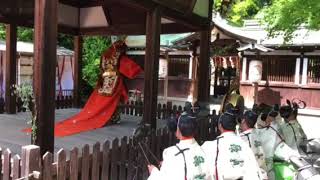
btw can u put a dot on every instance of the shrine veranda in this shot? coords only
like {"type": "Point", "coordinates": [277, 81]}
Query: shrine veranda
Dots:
{"type": "Point", "coordinates": [12, 137]}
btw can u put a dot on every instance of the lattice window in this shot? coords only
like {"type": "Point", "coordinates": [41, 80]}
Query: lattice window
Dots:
{"type": "Point", "coordinates": [278, 68]}
{"type": "Point", "coordinates": [179, 67]}
{"type": "Point", "coordinates": [314, 70]}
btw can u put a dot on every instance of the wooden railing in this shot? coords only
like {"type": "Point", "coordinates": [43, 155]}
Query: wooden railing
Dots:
{"type": "Point", "coordinates": [135, 108]}
{"type": "Point", "coordinates": [120, 159]}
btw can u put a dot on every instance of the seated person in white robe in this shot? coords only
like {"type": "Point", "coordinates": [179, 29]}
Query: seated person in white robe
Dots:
{"type": "Point", "coordinates": [272, 142]}
{"type": "Point", "coordinates": [249, 135]}
{"type": "Point", "coordinates": [293, 133]}
{"type": "Point", "coordinates": [230, 158]}
{"type": "Point", "coordinates": [186, 160]}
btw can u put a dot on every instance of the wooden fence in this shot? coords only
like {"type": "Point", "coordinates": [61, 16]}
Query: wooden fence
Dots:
{"type": "Point", "coordinates": [135, 108]}
{"type": "Point", "coordinates": [120, 159]}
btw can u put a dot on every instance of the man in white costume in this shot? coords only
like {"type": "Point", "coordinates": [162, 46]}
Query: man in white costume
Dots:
{"type": "Point", "coordinates": [293, 133]}
{"type": "Point", "coordinates": [186, 160]}
{"type": "Point", "coordinates": [272, 142]}
{"type": "Point", "coordinates": [278, 121]}
{"type": "Point", "coordinates": [249, 135]}
{"type": "Point", "coordinates": [230, 158]}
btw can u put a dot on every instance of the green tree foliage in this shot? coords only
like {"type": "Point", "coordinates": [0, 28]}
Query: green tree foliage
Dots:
{"type": "Point", "coordinates": [93, 47]}
{"type": "Point", "coordinates": [284, 17]}
{"type": "Point", "coordinates": [65, 41]}
{"type": "Point", "coordinates": [24, 34]}
{"type": "Point", "coordinates": [238, 10]}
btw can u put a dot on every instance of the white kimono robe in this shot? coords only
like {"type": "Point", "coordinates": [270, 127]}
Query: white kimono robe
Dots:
{"type": "Point", "coordinates": [231, 158]}
{"type": "Point", "coordinates": [250, 137]}
{"type": "Point", "coordinates": [188, 164]}
{"type": "Point", "coordinates": [273, 146]}
{"type": "Point", "coordinates": [293, 134]}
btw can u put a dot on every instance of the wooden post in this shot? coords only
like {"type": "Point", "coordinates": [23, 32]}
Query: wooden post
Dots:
{"type": "Point", "coordinates": [11, 65]}
{"type": "Point", "coordinates": [151, 67]}
{"type": "Point", "coordinates": [304, 79]}
{"type": "Point", "coordinates": [297, 72]}
{"type": "Point", "coordinates": [204, 65]}
{"type": "Point", "coordinates": [30, 160]}
{"type": "Point", "coordinates": [244, 69]}
{"type": "Point", "coordinates": [195, 70]}
{"type": "Point", "coordinates": [45, 59]}
{"type": "Point", "coordinates": [166, 79]}
{"type": "Point", "coordinates": [255, 92]}
{"type": "Point", "coordinates": [77, 70]}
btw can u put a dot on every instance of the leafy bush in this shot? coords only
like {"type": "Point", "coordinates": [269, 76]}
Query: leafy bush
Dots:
{"type": "Point", "coordinates": [25, 93]}
{"type": "Point", "coordinates": [93, 47]}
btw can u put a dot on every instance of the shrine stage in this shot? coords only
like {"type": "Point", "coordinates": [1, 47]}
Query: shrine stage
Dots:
{"type": "Point", "coordinates": [12, 137]}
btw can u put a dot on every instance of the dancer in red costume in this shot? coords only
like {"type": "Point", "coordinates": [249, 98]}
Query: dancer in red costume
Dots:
{"type": "Point", "coordinates": [101, 107]}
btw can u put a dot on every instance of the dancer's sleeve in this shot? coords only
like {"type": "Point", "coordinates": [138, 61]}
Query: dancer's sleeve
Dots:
{"type": "Point", "coordinates": [129, 68]}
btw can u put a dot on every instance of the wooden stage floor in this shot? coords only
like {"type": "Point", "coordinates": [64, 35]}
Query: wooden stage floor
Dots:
{"type": "Point", "coordinates": [13, 138]}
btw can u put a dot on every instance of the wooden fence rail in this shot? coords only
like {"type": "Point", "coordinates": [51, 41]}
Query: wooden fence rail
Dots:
{"type": "Point", "coordinates": [120, 159]}
{"type": "Point", "coordinates": [164, 111]}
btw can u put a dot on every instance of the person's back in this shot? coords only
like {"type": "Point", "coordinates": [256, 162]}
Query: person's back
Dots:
{"type": "Point", "coordinates": [269, 139]}
{"type": "Point", "coordinates": [250, 136]}
{"type": "Point", "coordinates": [185, 160]}
{"type": "Point", "coordinates": [230, 158]}
{"type": "Point", "coordinates": [293, 133]}
{"type": "Point", "coordinates": [272, 141]}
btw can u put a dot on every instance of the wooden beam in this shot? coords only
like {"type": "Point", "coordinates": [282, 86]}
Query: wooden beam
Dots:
{"type": "Point", "coordinates": [191, 20]}
{"type": "Point", "coordinates": [151, 67]}
{"type": "Point", "coordinates": [68, 30]}
{"type": "Point", "coordinates": [133, 29]}
{"type": "Point", "coordinates": [82, 4]}
{"type": "Point", "coordinates": [27, 22]}
{"type": "Point", "coordinates": [120, 29]}
{"type": "Point", "coordinates": [185, 7]}
{"type": "Point", "coordinates": [77, 67]}
{"type": "Point", "coordinates": [11, 67]}
{"type": "Point", "coordinates": [204, 65]}
{"type": "Point", "coordinates": [45, 59]}
{"type": "Point", "coordinates": [106, 11]}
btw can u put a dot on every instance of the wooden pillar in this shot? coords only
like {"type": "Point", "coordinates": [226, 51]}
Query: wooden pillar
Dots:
{"type": "Point", "coordinates": [304, 79]}
{"type": "Point", "coordinates": [297, 71]}
{"type": "Point", "coordinates": [204, 65]}
{"type": "Point", "coordinates": [77, 70]}
{"type": "Point", "coordinates": [45, 59]}
{"type": "Point", "coordinates": [151, 67]}
{"type": "Point", "coordinates": [194, 74]}
{"type": "Point", "coordinates": [166, 79]}
{"type": "Point", "coordinates": [244, 69]}
{"type": "Point", "coordinates": [11, 65]}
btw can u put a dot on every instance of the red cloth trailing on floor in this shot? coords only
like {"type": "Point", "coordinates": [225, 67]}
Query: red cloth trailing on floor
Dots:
{"type": "Point", "coordinates": [101, 105]}
{"type": "Point", "coordinates": [95, 114]}
{"type": "Point", "coordinates": [99, 108]}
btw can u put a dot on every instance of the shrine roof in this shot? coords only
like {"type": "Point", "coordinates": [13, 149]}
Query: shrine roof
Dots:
{"type": "Point", "coordinates": [114, 17]}
{"type": "Point", "coordinates": [254, 32]}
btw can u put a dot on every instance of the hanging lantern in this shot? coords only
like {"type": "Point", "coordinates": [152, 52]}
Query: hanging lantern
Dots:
{"type": "Point", "coordinates": [255, 71]}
